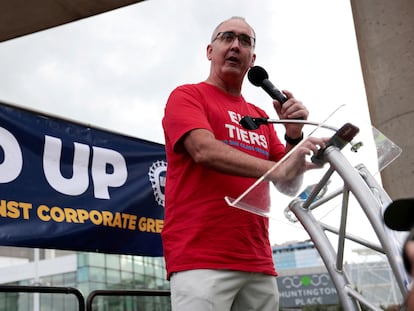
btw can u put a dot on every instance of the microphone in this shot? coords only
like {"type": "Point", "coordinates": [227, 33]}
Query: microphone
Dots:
{"type": "Point", "coordinates": [259, 77]}
{"type": "Point", "coordinates": [250, 123]}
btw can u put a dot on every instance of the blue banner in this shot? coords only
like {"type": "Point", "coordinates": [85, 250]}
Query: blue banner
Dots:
{"type": "Point", "coordinates": [64, 185]}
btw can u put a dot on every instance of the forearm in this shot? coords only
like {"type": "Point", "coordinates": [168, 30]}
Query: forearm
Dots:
{"type": "Point", "coordinates": [218, 156]}
{"type": "Point", "coordinates": [206, 150]}
{"type": "Point", "coordinates": [232, 161]}
{"type": "Point", "coordinates": [290, 187]}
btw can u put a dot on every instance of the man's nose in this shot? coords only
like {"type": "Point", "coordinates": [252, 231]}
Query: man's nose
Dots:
{"type": "Point", "coordinates": [236, 43]}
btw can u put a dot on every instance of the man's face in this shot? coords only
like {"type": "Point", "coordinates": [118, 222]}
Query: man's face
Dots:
{"type": "Point", "coordinates": [232, 50]}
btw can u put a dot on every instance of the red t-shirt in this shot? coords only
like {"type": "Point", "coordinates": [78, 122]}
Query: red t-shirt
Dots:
{"type": "Point", "coordinates": [200, 230]}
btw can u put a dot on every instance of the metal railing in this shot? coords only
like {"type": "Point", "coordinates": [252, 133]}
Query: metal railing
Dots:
{"type": "Point", "coordinates": [46, 289]}
{"type": "Point", "coordinates": [118, 293]}
{"type": "Point", "coordinates": [81, 301]}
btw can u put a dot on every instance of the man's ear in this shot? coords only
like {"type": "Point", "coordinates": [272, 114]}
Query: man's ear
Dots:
{"type": "Point", "coordinates": [209, 51]}
{"type": "Point", "coordinates": [252, 60]}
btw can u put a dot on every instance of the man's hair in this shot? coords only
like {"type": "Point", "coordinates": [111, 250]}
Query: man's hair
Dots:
{"type": "Point", "coordinates": [214, 35]}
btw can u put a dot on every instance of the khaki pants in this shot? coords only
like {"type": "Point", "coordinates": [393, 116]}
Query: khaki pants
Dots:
{"type": "Point", "coordinates": [223, 290]}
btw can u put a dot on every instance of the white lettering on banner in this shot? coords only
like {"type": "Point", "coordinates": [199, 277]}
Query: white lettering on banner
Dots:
{"type": "Point", "coordinates": [79, 182]}
{"type": "Point", "coordinates": [102, 180]}
{"type": "Point", "coordinates": [108, 169]}
{"type": "Point", "coordinates": [12, 163]}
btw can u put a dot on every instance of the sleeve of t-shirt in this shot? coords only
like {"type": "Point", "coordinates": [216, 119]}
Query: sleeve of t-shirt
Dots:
{"type": "Point", "coordinates": [184, 112]}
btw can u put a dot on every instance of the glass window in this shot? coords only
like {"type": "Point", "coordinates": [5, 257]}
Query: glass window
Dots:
{"type": "Point", "coordinates": [113, 276]}
{"type": "Point", "coordinates": [97, 274]}
{"type": "Point", "coordinates": [127, 277]}
{"type": "Point", "coordinates": [55, 280]}
{"type": "Point", "coordinates": [69, 279]}
{"type": "Point", "coordinates": [139, 280]}
{"type": "Point", "coordinates": [82, 275]}
{"type": "Point", "coordinates": [83, 259]}
{"type": "Point", "coordinates": [97, 260]}
{"type": "Point", "coordinates": [112, 262]}
{"type": "Point", "coordinates": [138, 265]}
{"type": "Point", "coordinates": [126, 263]}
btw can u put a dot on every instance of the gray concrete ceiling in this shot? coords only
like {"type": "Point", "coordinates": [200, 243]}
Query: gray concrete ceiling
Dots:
{"type": "Point", "coordinates": [22, 17]}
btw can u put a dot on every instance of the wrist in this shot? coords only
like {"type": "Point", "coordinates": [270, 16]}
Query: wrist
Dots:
{"type": "Point", "coordinates": [293, 141]}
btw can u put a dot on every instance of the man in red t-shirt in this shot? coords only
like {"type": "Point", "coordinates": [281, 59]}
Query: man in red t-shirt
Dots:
{"type": "Point", "coordinates": [219, 257]}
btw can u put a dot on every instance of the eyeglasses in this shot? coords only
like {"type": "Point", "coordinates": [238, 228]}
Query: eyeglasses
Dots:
{"type": "Point", "coordinates": [230, 36]}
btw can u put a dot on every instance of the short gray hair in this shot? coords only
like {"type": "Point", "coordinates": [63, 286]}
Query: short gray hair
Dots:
{"type": "Point", "coordinates": [213, 36]}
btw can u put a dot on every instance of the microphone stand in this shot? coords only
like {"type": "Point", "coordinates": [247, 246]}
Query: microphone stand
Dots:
{"type": "Point", "coordinates": [250, 123]}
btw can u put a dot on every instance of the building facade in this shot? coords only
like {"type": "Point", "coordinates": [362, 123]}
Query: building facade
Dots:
{"type": "Point", "coordinates": [302, 281]}
{"type": "Point", "coordinates": [86, 272]}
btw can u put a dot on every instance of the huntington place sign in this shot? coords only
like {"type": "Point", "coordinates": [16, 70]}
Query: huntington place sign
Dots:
{"type": "Point", "coordinates": [308, 289]}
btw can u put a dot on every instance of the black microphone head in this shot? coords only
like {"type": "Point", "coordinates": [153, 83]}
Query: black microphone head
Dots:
{"type": "Point", "coordinates": [399, 215]}
{"type": "Point", "coordinates": [248, 123]}
{"type": "Point", "coordinates": [257, 75]}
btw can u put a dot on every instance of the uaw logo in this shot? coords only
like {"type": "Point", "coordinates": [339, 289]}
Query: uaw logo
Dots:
{"type": "Point", "coordinates": [156, 176]}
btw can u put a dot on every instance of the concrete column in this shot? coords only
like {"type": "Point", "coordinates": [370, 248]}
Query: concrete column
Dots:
{"type": "Point", "coordinates": [385, 35]}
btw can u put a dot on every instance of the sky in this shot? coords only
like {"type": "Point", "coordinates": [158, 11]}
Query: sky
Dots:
{"type": "Point", "coordinates": [116, 70]}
